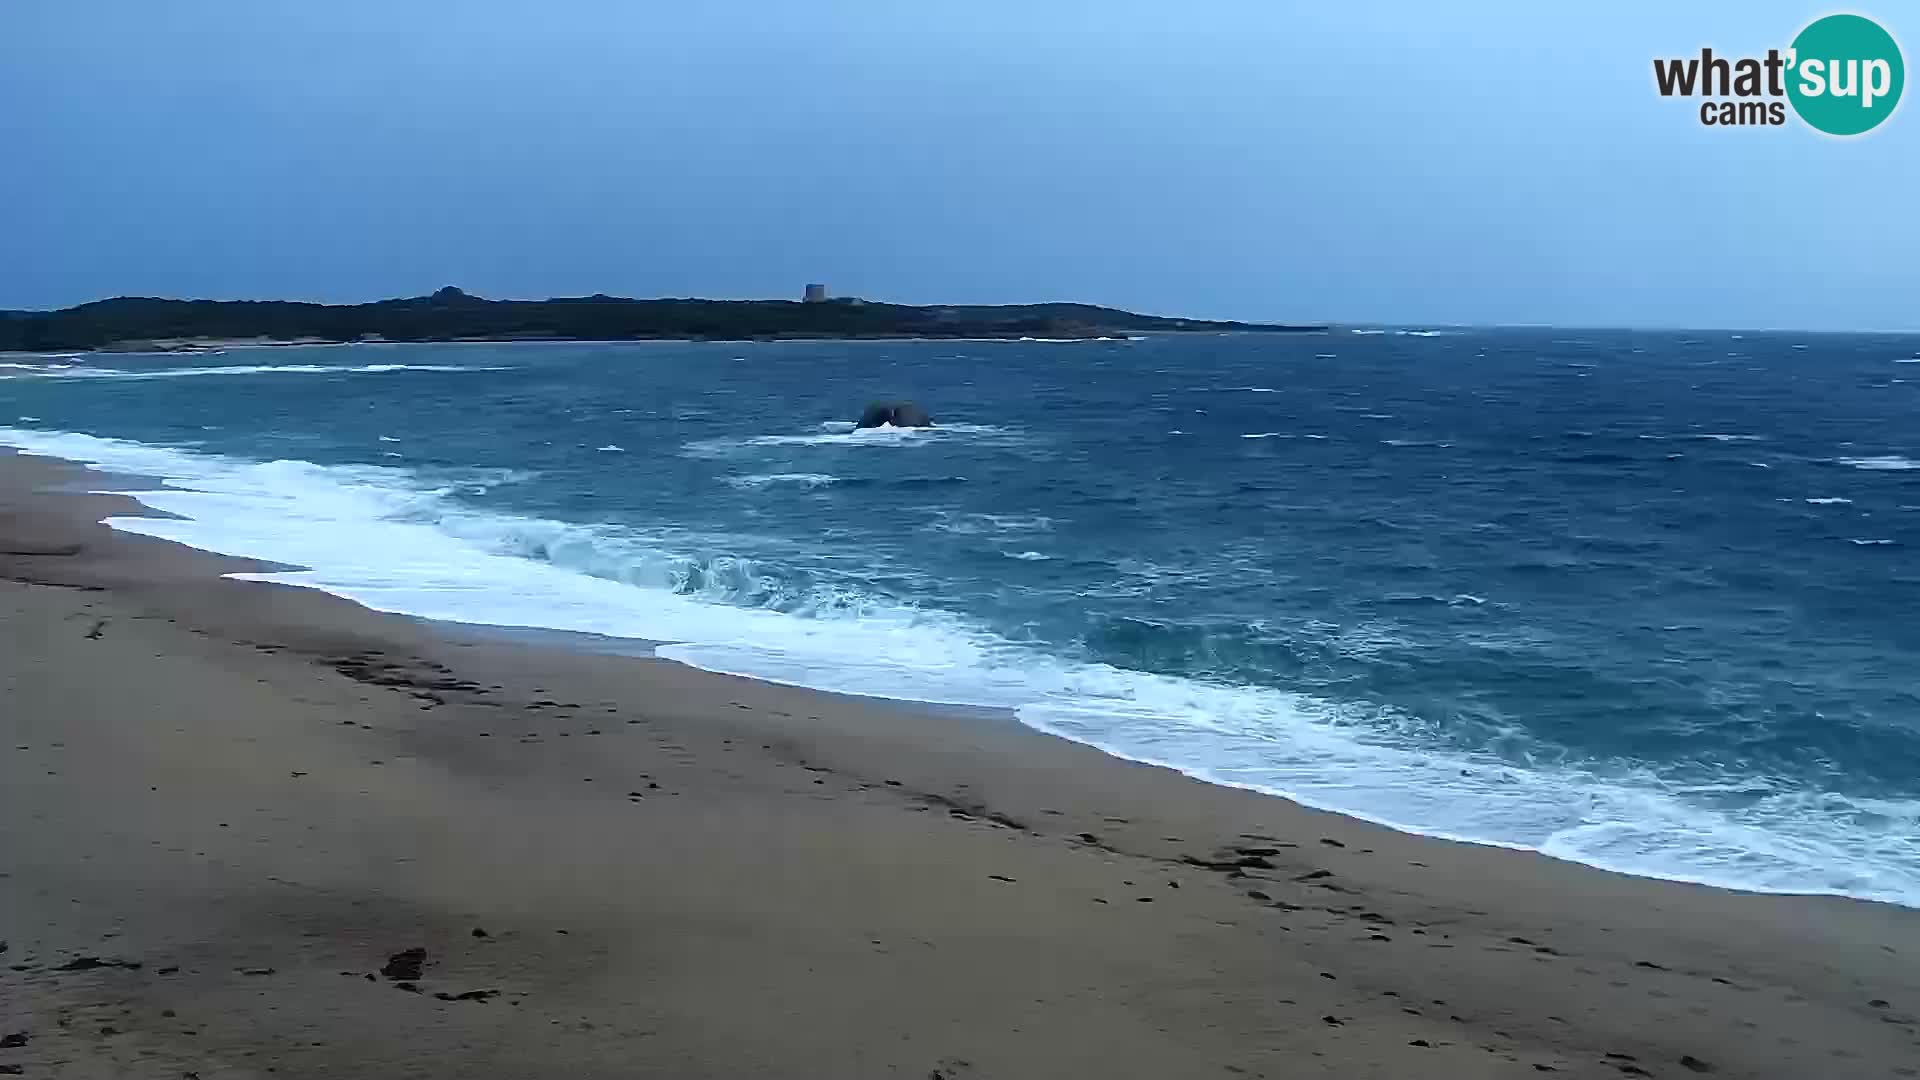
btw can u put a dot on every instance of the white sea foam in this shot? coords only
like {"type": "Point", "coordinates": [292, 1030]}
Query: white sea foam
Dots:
{"type": "Point", "coordinates": [1882, 463]}
{"type": "Point", "coordinates": [610, 449]}
{"type": "Point", "coordinates": [74, 372]}
{"type": "Point", "coordinates": [385, 538]}
{"type": "Point", "coordinates": [981, 524]}
{"type": "Point", "coordinates": [1870, 543]}
{"type": "Point", "coordinates": [844, 433]}
{"type": "Point", "coordinates": [1832, 500]}
{"type": "Point", "coordinates": [1028, 556]}
{"type": "Point", "coordinates": [804, 480]}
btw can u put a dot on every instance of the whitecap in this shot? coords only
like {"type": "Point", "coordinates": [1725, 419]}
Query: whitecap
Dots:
{"type": "Point", "coordinates": [1829, 501]}
{"type": "Point", "coordinates": [1028, 556]}
{"type": "Point", "coordinates": [804, 480]}
{"type": "Point", "coordinates": [1870, 543]}
{"type": "Point", "coordinates": [983, 524]}
{"type": "Point", "coordinates": [1881, 463]}
{"type": "Point", "coordinates": [90, 373]}
{"type": "Point", "coordinates": [844, 433]}
{"type": "Point", "coordinates": [610, 449]}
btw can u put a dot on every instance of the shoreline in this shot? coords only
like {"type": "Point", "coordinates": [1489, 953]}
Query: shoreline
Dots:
{"type": "Point", "coordinates": [553, 635]}
{"type": "Point", "coordinates": [849, 887]}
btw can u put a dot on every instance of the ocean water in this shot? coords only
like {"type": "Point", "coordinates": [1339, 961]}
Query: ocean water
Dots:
{"type": "Point", "coordinates": [1641, 600]}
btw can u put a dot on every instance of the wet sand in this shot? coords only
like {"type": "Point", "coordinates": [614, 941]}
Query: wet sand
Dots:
{"type": "Point", "coordinates": [230, 812]}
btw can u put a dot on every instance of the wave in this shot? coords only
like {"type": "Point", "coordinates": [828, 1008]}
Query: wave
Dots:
{"type": "Point", "coordinates": [400, 541]}
{"type": "Point", "coordinates": [1882, 463]}
{"type": "Point", "coordinates": [71, 371]}
{"type": "Point", "coordinates": [1833, 500]}
{"type": "Point", "coordinates": [804, 480]}
{"type": "Point", "coordinates": [844, 433]}
{"type": "Point", "coordinates": [981, 524]}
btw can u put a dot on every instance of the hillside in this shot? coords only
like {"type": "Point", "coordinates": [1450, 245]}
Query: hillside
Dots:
{"type": "Point", "coordinates": [453, 315]}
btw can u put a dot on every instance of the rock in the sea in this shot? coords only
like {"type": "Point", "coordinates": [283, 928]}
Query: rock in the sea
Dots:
{"type": "Point", "coordinates": [894, 414]}
{"type": "Point", "coordinates": [405, 964]}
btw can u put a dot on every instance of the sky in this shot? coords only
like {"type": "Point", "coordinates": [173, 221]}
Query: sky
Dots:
{"type": "Point", "coordinates": [1405, 163]}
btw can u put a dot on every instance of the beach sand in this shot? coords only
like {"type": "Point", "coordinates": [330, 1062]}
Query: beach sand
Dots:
{"type": "Point", "coordinates": [227, 806]}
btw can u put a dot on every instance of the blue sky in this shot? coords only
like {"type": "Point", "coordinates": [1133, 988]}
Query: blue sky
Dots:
{"type": "Point", "coordinates": [1408, 162]}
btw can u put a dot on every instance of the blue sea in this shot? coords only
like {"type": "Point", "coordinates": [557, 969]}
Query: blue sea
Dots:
{"type": "Point", "coordinates": [1648, 601]}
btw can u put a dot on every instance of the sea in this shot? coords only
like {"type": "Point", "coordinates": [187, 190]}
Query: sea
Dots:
{"type": "Point", "coordinates": [1648, 601]}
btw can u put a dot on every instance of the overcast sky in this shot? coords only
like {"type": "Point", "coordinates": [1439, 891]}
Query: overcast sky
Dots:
{"type": "Point", "coordinates": [1405, 163]}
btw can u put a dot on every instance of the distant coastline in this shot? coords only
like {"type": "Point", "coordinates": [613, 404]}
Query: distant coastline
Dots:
{"type": "Point", "coordinates": [136, 324]}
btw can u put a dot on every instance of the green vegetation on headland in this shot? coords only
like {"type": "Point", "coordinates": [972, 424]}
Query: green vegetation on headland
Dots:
{"type": "Point", "coordinates": [451, 315]}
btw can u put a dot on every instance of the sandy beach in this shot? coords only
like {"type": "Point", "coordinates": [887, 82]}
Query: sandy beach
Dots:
{"type": "Point", "coordinates": [249, 830]}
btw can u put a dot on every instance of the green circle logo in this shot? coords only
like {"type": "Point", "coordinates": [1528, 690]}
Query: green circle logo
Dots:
{"type": "Point", "coordinates": [1845, 74]}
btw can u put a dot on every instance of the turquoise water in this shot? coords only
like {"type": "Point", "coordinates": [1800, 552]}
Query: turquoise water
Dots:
{"type": "Point", "coordinates": [1641, 600]}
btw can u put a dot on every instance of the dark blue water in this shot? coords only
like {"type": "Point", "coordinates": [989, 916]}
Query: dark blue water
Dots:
{"type": "Point", "coordinates": [1643, 600]}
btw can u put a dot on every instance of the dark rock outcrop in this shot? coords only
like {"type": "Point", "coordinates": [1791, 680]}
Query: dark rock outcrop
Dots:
{"type": "Point", "coordinates": [405, 964]}
{"type": "Point", "coordinates": [895, 414]}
